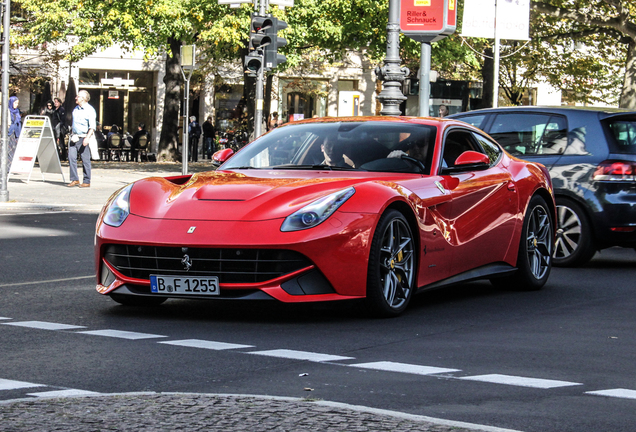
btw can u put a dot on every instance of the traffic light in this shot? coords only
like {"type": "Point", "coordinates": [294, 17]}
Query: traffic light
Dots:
{"type": "Point", "coordinates": [259, 27]}
{"type": "Point", "coordinates": [271, 57]}
{"type": "Point", "coordinates": [253, 62]}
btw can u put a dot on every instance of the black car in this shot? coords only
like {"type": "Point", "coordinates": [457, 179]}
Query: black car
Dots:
{"type": "Point", "coordinates": [591, 155]}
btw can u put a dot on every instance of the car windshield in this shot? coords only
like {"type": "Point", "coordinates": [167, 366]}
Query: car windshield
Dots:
{"type": "Point", "coordinates": [357, 146]}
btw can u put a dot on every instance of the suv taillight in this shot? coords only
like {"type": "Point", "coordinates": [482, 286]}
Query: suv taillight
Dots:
{"type": "Point", "coordinates": [615, 171]}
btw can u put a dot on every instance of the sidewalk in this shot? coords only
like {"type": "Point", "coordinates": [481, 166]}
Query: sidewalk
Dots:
{"type": "Point", "coordinates": [107, 177]}
{"type": "Point", "coordinates": [151, 412]}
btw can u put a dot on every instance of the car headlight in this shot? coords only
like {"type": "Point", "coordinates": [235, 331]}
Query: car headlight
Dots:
{"type": "Point", "coordinates": [118, 208]}
{"type": "Point", "coordinates": [317, 212]}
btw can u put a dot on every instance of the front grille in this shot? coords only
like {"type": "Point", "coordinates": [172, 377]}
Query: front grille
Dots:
{"type": "Point", "coordinates": [230, 265]}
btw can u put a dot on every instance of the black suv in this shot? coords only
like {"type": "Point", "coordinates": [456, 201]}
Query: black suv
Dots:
{"type": "Point", "coordinates": [591, 155]}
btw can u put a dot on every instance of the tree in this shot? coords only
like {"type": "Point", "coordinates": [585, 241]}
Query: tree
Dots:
{"type": "Point", "coordinates": [595, 39]}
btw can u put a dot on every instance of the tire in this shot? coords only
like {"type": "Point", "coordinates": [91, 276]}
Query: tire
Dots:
{"type": "Point", "coordinates": [392, 266]}
{"type": "Point", "coordinates": [573, 245]}
{"type": "Point", "coordinates": [141, 301]}
{"type": "Point", "coordinates": [534, 261]}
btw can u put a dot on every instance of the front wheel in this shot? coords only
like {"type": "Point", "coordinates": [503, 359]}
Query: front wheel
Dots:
{"type": "Point", "coordinates": [534, 261]}
{"type": "Point", "coordinates": [392, 261]}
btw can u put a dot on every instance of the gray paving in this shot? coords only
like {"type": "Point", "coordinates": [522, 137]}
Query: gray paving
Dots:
{"type": "Point", "coordinates": [196, 412]}
{"type": "Point", "coordinates": [161, 411]}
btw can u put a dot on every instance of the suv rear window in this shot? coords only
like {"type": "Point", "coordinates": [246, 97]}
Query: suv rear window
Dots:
{"type": "Point", "coordinates": [624, 133]}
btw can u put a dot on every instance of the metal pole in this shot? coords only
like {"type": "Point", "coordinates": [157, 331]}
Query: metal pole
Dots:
{"type": "Point", "coordinates": [425, 80]}
{"type": "Point", "coordinates": [6, 22]}
{"type": "Point", "coordinates": [186, 110]}
{"type": "Point", "coordinates": [495, 80]}
{"type": "Point", "coordinates": [260, 79]}
{"type": "Point", "coordinates": [391, 74]}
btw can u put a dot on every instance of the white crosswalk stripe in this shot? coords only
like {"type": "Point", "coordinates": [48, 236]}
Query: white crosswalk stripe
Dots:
{"type": "Point", "coordinates": [205, 344]}
{"type": "Point", "coordinates": [404, 368]}
{"type": "Point", "coordinates": [617, 393]}
{"type": "Point", "coordinates": [520, 381]}
{"type": "Point", "coordinates": [63, 393]}
{"type": "Point", "coordinates": [300, 355]}
{"type": "Point", "coordinates": [6, 384]}
{"type": "Point", "coordinates": [43, 325]}
{"type": "Point", "coordinates": [121, 334]}
{"type": "Point", "coordinates": [4, 318]}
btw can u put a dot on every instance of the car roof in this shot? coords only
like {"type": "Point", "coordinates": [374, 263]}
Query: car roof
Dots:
{"type": "Point", "coordinates": [603, 112]}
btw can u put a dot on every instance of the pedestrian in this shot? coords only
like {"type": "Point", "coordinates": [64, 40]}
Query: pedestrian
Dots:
{"type": "Point", "coordinates": [134, 144]}
{"type": "Point", "coordinates": [60, 129]}
{"type": "Point", "coordinates": [15, 126]}
{"type": "Point", "coordinates": [208, 138]}
{"type": "Point", "coordinates": [443, 111]}
{"type": "Point", "coordinates": [83, 128]}
{"type": "Point", "coordinates": [273, 122]}
{"type": "Point", "coordinates": [194, 134]}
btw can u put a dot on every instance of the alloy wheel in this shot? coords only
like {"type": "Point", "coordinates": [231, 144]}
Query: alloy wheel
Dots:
{"type": "Point", "coordinates": [569, 232]}
{"type": "Point", "coordinates": [539, 242]}
{"type": "Point", "coordinates": [396, 263]}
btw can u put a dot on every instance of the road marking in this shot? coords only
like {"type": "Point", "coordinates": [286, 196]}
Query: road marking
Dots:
{"type": "Point", "coordinates": [404, 368]}
{"type": "Point", "coordinates": [121, 334]}
{"type": "Point", "coordinates": [42, 325]}
{"type": "Point", "coordinates": [617, 393]}
{"type": "Point", "coordinates": [300, 355]}
{"type": "Point", "coordinates": [12, 385]}
{"type": "Point", "coordinates": [212, 345]}
{"type": "Point", "coordinates": [63, 393]}
{"type": "Point", "coordinates": [3, 318]}
{"type": "Point", "coordinates": [47, 281]}
{"type": "Point", "coordinates": [519, 381]}
{"type": "Point", "coordinates": [10, 231]}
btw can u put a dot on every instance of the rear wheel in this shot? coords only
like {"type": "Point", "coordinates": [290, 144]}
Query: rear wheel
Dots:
{"type": "Point", "coordinates": [534, 261]}
{"type": "Point", "coordinates": [573, 245]}
{"type": "Point", "coordinates": [129, 300]}
{"type": "Point", "coordinates": [391, 274]}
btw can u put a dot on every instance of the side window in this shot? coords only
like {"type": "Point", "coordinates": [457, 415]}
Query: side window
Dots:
{"type": "Point", "coordinates": [490, 148]}
{"type": "Point", "coordinates": [475, 120]}
{"type": "Point", "coordinates": [520, 133]}
{"type": "Point", "coordinates": [456, 143]}
{"type": "Point", "coordinates": [555, 137]}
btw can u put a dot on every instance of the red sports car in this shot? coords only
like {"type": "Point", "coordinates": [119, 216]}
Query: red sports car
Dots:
{"type": "Point", "coordinates": [326, 209]}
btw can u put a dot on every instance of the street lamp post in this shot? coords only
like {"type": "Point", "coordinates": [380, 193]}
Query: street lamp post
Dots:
{"type": "Point", "coordinates": [391, 74]}
{"type": "Point", "coordinates": [4, 145]}
{"type": "Point", "coordinates": [187, 64]}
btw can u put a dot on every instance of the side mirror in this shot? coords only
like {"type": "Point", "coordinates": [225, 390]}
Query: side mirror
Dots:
{"type": "Point", "coordinates": [221, 156]}
{"type": "Point", "coordinates": [472, 158]}
{"type": "Point", "coordinates": [468, 161]}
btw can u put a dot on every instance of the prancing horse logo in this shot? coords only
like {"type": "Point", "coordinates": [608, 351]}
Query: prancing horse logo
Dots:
{"type": "Point", "coordinates": [187, 262]}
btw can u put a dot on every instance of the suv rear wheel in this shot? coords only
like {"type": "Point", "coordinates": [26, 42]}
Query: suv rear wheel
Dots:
{"type": "Point", "coordinates": [574, 245]}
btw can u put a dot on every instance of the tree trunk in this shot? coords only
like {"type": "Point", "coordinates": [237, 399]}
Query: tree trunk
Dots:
{"type": "Point", "coordinates": [488, 79]}
{"type": "Point", "coordinates": [628, 94]}
{"type": "Point", "coordinates": [169, 139]}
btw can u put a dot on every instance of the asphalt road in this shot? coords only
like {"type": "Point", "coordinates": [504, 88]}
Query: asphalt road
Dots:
{"type": "Point", "coordinates": [561, 359]}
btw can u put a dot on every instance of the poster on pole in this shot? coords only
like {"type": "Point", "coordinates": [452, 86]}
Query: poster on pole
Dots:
{"type": "Point", "coordinates": [513, 19]}
{"type": "Point", "coordinates": [36, 141]}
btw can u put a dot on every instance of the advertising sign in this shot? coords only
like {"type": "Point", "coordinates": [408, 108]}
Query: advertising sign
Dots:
{"type": "Point", "coordinates": [428, 20]}
{"type": "Point", "coordinates": [513, 19]}
{"type": "Point", "coordinates": [36, 141]}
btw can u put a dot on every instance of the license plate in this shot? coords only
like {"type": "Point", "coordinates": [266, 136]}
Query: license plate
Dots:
{"type": "Point", "coordinates": [183, 285]}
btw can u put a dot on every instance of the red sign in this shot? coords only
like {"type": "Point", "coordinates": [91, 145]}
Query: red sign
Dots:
{"type": "Point", "coordinates": [428, 20]}
{"type": "Point", "coordinates": [422, 15]}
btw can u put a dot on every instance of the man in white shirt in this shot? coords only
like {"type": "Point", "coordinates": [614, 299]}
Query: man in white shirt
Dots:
{"type": "Point", "coordinates": [84, 125]}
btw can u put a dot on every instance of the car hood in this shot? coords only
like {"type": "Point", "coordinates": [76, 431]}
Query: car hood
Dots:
{"type": "Point", "coordinates": [231, 196]}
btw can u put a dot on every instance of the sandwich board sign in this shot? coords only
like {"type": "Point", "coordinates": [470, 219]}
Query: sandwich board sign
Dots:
{"type": "Point", "coordinates": [36, 140]}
